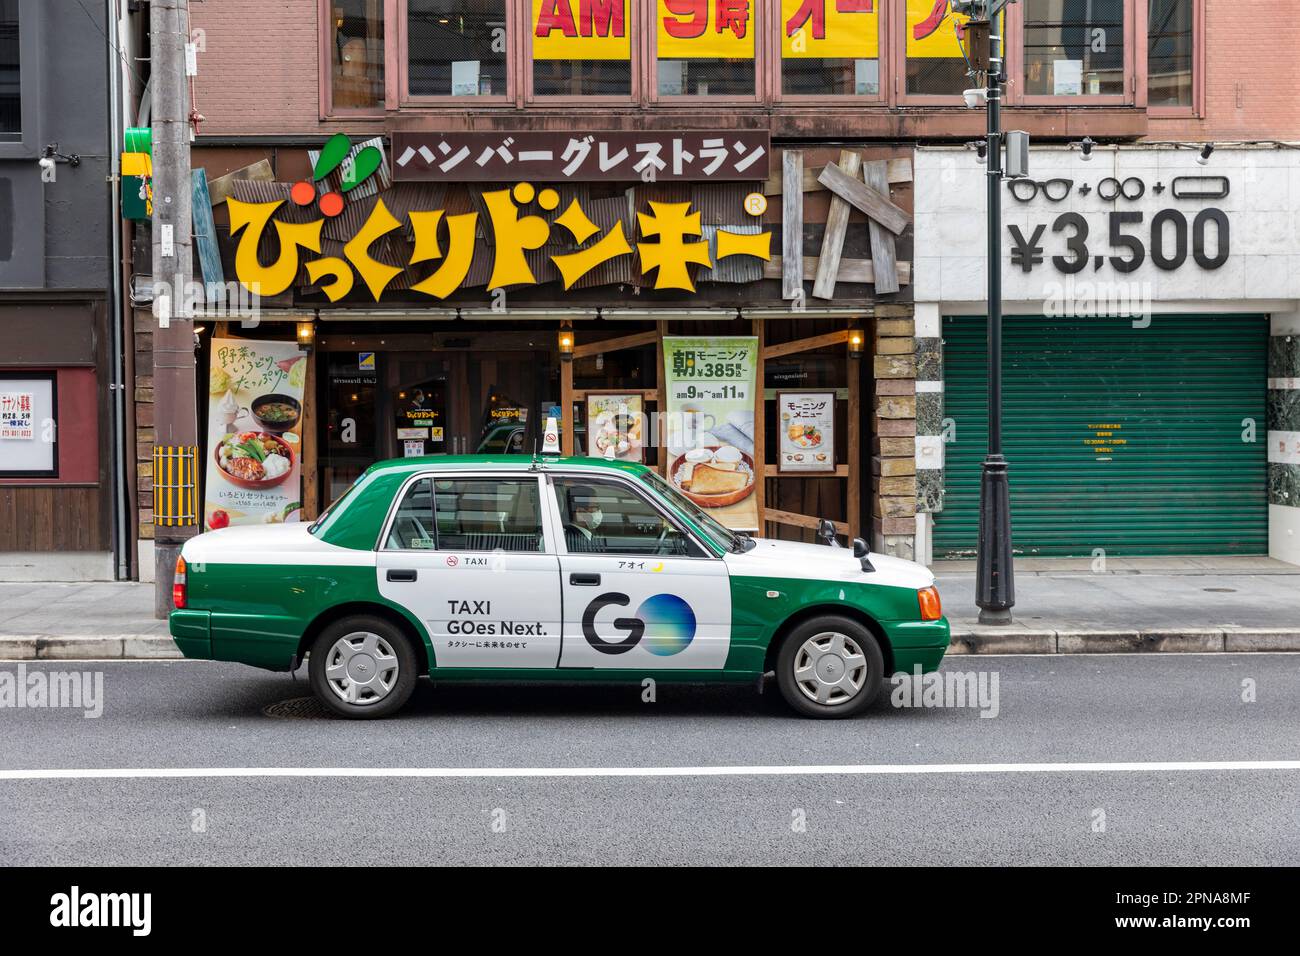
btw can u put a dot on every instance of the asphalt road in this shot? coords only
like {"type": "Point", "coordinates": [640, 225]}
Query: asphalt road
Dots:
{"type": "Point", "coordinates": [1091, 709]}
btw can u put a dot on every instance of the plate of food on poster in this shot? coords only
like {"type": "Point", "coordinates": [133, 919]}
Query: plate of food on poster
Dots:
{"type": "Point", "coordinates": [714, 476]}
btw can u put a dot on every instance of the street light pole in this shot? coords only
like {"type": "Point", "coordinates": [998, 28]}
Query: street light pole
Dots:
{"type": "Point", "coordinates": [994, 581]}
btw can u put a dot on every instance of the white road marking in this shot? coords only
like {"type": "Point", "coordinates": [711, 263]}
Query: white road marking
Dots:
{"type": "Point", "coordinates": [866, 770]}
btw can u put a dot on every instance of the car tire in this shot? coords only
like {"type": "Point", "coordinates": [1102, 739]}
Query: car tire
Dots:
{"type": "Point", "coordinates": [362, 667]}
{"type": "Point", "coordinates": [830, 667]}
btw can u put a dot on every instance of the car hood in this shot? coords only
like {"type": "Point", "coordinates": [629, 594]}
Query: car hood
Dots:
{"type": "Point", "coordinates": [792, 559]}
{"type": "Point", "coordinates": [287, 543]}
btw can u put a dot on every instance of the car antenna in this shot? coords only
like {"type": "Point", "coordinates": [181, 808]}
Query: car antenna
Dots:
{"type": "Point", "coordinates": [537, 463]}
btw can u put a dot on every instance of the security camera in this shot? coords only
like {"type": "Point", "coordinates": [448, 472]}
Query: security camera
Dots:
{"type": "Point", "coordinates": [975, 98]}
{"type": "Point", "coordinates": [46, 162]}
{"type": "Point", "coordinates": [965, 8]}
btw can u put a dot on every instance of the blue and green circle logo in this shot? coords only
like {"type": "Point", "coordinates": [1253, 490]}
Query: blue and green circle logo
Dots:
{"type": "Point", "coordinates": [669, 624]}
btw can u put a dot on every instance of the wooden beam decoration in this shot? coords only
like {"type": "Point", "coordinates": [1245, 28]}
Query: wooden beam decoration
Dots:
{"type": "Point", "coordinates": [792, 225]}
{"type": "Point", "coordinates": [837, 226]}
{"type": "Point", "coordinates": [883, 246]}
{"type": "Point", "coordinates": [205, 231]}
{"type": "Point", "coordinates": [863, 197]}
{"type": "Point", "coordinates": [860, 271]}
{"type": "Point", "coordinates": [898, 171]}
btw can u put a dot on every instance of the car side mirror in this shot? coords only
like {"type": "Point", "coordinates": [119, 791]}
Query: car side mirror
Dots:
{"type": "Point", "coordinates": [861, 552]}
{"type": "Point", "coordinates": [826, 531]}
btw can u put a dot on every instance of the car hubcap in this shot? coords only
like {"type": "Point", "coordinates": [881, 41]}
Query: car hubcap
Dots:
{"type": "Point", "coordinates": [361, 668]}
{"type": "Point", "coordinates": [830, 668]}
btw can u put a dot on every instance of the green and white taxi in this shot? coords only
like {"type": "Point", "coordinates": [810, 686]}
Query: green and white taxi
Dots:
{"type": "Point", "coordinates": [506, 568]}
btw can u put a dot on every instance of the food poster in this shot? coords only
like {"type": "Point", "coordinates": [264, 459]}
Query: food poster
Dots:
{"type": "Point", "coordinates": [255, 395]}
{"type": "Point", "coordinates": [616, 424]}
{"type": "Point", "coordinates": [710, 408]}
{"type": "Point", "coordinates": [807, 426]}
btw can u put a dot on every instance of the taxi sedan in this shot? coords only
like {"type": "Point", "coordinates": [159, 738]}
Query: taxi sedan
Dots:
{"type": "Point", "coordinates": [482, 569]}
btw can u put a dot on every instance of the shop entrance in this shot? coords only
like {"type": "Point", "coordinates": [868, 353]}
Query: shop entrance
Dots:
{"type": "Point", "coordinates": [402, 404]}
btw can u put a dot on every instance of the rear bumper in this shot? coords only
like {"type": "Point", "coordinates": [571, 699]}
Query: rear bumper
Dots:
{"type": "Point", "coordinates": [918, 644]}
{"type": "Point", "coordinates": [192, 632]}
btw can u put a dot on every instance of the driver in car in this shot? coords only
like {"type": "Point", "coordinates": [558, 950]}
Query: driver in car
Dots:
{"type": "Point", "coordinates": [584, 517]}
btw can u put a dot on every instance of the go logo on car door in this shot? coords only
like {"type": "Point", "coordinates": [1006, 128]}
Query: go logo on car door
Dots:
{"type": "Point", "coordinates": [666, 618]}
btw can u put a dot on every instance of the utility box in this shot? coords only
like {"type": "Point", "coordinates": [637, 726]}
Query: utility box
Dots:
{"type": "Point", "coordinates": [1017, 163]}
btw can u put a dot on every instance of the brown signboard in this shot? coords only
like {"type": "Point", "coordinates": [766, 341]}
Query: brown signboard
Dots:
{"type": "Point", "coordinates": [698, 156]}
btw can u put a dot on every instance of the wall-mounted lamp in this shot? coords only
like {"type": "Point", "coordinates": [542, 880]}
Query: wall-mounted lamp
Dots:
{"type": "Point", "coordinates": [1204, 158]}
{"type": "Point", "coordinates": [1085, 147]}
{"type": "Point", "coordinates": [566, 344]}
{"type": "Point", "coordinates": [306, 335]}
{"type": "Point", "coordinates": [50, 156]}
{"type": "Point", "coordinates": [856, 343]}
{"type": "Point", "coordinates": [981, 151]}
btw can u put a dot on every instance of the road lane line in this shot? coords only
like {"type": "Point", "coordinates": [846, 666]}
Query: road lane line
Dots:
{"type": "Point", "coordinates": [866, 770]}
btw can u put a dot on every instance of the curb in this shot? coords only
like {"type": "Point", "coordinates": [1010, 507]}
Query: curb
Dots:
{"type": "Point", "coordinates": [965, 642]}
{"type": "Point", "coordinates": [990, 640]}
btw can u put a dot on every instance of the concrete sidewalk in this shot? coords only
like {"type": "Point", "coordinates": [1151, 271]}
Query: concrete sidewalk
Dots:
{"type": "Point", "coordinates": [1136, 605]}
{"type": "Point", "coordinates": [1062, 606]}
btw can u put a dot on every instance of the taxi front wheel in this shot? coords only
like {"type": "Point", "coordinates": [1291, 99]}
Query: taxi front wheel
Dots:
{"type": "Point", "coordinates": [362, 666]}
{"type": "Point", "coordinates": [829, 667]}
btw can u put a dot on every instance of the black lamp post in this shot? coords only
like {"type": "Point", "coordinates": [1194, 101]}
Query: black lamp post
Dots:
{"type": "Point", "coordinates": [994, 581]}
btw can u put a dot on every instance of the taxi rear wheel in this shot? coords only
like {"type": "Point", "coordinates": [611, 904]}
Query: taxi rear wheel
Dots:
{"type": "Point", "coordinates": [830, 667]}
{"type": "Point", "coordinates": [363, 667]}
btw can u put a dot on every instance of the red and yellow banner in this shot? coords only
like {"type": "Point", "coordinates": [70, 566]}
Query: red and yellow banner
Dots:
{"type": "Point", "coordinates": [581, 30]}
{"type": "Point", "coordinates": [933, 30]}
{"type": "Point", "coordinates": [830, 29]}
{"type": "Point", "coordinates": [706, 29]}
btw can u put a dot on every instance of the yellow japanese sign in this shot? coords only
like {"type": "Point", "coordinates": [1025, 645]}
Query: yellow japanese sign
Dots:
{"type": "Point", "coordinates": [706, 29]}
{"type": "Point", "coordinates": [831, 29]}
{"type": "Point", "coordinates": [581, 30]}
{"type": "Point", "coordinates": [933, 30]}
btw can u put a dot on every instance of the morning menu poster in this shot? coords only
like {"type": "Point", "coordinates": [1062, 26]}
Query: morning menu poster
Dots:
{"type": "Point", "coordinates": [710, 407]}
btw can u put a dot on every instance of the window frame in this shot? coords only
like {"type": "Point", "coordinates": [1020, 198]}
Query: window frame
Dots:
{"type": "Point", "coordinates": [601, 478]}
{"type": "Point", "coordinates": [1133, 29]}
{"type": "Point", "coordinates": [325, 62]}
{"type": "Point", "coordinates": [1197, 108]}
{"type": "Point", "coordinates": [775, 63]}
{"type": "Point", "coordinates": [28, 141]}
{"type": "Point", "coordinates": [897, 38]}
{"type": "Point", "coordinates": [763, 92]}
{"type": "Point", "coordinates": [516, 17]}
{"type": "Point", "coordinates": [636, 17]}
{"type": "Point", "coordinates": [471, 474]}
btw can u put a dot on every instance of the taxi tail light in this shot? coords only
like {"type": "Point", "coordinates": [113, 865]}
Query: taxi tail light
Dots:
{"type": "Point", "coordinates": [931, 609]}
{"type": "Point", "coordinates": [178, 585]}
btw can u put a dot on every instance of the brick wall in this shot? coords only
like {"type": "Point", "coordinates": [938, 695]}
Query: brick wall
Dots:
{"type": "Point", "coordinates": [1252, 75]}
{"type": "Point", "coordinates": [257, 66]}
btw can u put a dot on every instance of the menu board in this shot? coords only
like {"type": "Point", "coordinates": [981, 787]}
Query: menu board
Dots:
{"type": "Point", "coordinates": [254, 446]}
{"type": "Point", "coordinates": [806, 422]}
{"type": "Point", "coordinates": [710, 407]}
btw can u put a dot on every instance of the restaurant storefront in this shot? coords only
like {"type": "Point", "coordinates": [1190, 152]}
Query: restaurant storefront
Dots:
{"type": "Point", "coordinates": [734, 314]}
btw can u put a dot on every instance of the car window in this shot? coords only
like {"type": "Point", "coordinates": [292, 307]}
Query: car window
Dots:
{"type": "Point", "coordinates": [611, 518]}
{"type": "Point", "coordinates": [469, 514]}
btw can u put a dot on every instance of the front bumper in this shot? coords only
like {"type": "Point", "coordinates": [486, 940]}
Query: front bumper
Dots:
{"type": "Point", "coordinates": [918, 643]}
{"type": "Point", "coordinates": [192, 632]}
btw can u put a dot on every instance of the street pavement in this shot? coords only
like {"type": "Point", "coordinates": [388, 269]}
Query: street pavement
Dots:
{"type": "Point", "coordinates": [1095, 709]}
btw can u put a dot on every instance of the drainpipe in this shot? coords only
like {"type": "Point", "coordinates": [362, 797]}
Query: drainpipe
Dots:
{"type": "Point", "coordinates": [116, 315]}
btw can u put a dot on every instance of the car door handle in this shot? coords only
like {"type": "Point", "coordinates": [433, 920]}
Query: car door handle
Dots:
{"type": "Point", "coordinates": [584, 580]}
{"type": "Point", "coordinates": [402, 574]}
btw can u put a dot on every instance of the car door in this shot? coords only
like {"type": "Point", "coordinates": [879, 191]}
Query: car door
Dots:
{"type": "Point", "coordinates": [468, 555]}
{"type": "Point", "coordinates": [639, 591]}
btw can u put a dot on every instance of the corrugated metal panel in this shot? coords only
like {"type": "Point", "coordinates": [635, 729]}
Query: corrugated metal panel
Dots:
{"type": "Point", "coordinates": [1182, 481]}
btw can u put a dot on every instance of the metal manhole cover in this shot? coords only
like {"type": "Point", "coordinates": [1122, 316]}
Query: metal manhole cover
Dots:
{"type": "Point", "coordinates": [298, 708]}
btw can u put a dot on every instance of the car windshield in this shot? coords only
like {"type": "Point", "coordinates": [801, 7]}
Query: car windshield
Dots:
{"type": "Point", "coordinates": [713, 529]}
{"type": "Point", "coordinates": [315, 525]}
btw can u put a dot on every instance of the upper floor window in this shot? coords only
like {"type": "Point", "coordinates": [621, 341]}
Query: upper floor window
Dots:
{"type": "Point", "coordinates": [1171, 53]}
{"type": "Point", "coordinates": [456, 47]}
{"type": "Point", "coordinates": [830, 47]}
{"type": "Point", "coordinates": [706, 47]}
{"type": "Point", "coordinates": [1074, 47]}
{"type": "Point", "coordinates": [581, 47]}
{"type": "Point", "coordinates": [934, 43]}
{"type": "Point", "coordinates": [11, 101]}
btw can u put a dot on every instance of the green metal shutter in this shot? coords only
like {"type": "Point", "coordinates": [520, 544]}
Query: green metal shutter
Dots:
{"type": "Point", "coordinates": [1183, 480]}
